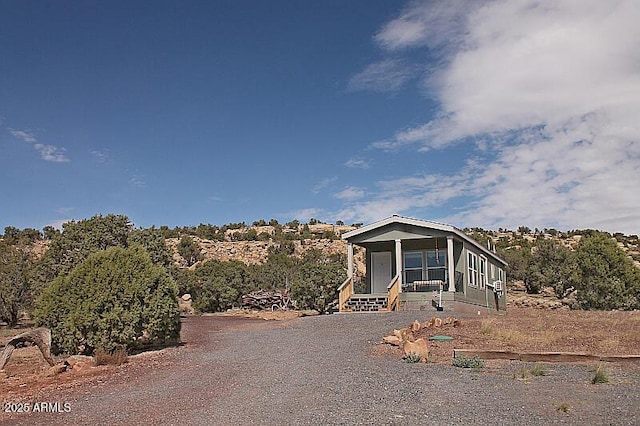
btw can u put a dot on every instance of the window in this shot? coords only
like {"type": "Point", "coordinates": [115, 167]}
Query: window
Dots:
{"type": "Point", "coordinates": [425, 265]}
{"type": "Point", "coordinates": [472, 275]}
{"type": "Point", "coordinates": [482, 272]}
{"type": "Point", "coordinates": [501, 276]}
{"type": "Point", "coordinates": [436, 265]}
{"type": "Point", "coordinates": [412, 266]}
{"type": "Point", "coordinates": [436, 259]}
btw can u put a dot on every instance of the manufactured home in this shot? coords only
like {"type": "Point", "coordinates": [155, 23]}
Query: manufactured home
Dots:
{"type": "Point", "coordinates": [419, 264]}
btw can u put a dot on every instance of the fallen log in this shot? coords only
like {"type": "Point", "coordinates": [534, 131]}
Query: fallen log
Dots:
{"type": "Point", "coordinates": [41, 337]}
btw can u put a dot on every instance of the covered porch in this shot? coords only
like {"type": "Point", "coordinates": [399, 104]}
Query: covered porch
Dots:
{"type": "Point", "coordinates": [405, 265]}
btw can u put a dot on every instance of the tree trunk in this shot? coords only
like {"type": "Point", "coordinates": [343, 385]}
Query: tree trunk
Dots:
{"type": "Point", "coordinates": [41, 337]}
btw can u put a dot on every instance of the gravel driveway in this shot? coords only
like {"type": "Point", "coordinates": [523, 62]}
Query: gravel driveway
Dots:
{"type": "Point", "coordinates": [328, 370]}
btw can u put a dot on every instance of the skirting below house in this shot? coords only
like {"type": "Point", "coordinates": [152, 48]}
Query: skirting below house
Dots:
{"type": "Point", "coordinates": [451, 302]}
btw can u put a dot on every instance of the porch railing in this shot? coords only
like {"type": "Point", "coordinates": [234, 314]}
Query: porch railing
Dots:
{"type": "Point", "coordinates": [393, 292]}
{"type": "Point", "coordinates": [433, 280]}
{"type": "Point", "coordinates": [345, 291]}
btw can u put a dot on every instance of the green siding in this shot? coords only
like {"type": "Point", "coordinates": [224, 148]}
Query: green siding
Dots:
{"type": "Point", "coordinates": [476, 295]}
{"type": "Point", "coordinates": [396, 231]}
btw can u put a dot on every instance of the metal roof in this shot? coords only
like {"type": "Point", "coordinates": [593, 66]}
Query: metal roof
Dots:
{"type": "Point", "coordinates": [421, 224]}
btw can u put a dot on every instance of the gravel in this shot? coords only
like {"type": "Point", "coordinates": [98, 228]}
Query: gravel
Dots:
{"type": "Point", "coordinates": [328, 370]}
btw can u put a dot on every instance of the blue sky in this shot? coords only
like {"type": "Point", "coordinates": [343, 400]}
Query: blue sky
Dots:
{"type": "Point", "coordinates": [493, 114]}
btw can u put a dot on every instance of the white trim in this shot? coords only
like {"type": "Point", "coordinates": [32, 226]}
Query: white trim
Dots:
{"type": "Point", "coordinates": [482, 272]}
{"type": "Point", "coordinates": [399, 262]}
{"type": "Point", "coordinates": [350, 260]}
{"type": "Point", "coordinates": [472, 269]}
{"type": "Point", "coordinates": [451, 272]}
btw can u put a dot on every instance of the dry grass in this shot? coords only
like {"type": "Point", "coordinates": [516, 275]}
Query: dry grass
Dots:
{"type": "Point", "coordinates": [540, 330]}
{"type": "Point", "coordinates": [486, 326]}
{"type": "Point", "coordinates": [601, 375]}
{"type": "Point", "coordinates": [511, 336]}
{"type": "Point", "coordinates": [597, 332]}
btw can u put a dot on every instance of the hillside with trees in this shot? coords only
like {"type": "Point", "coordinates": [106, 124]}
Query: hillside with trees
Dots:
{"type": "Point", "coordinates": [597, 269]}
{"type": "Point", "coordinates": [217, 265]}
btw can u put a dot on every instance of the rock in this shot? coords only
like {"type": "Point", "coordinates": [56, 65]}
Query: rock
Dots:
{"type": "Point", "coordinates": [404, 334]}
{"type": "Point", "coordinates": [433, 322]}
{"type": "Point", "coordinates": [56, 369]}
{"type": "Point", "coordinates": [186, 306]}
{"type": "Point", "coordinates": [392, 340]}
{"type": "Point", "coordinates": [457, 323]}
{"type": "Point", "coordinates": [419, 347]}
{"type": "Point", "coordinates": [80, 362]}
{"type": "Point", "coordinates": [415, 326]}
{"type": "Point", "coordinates": [74, 360]}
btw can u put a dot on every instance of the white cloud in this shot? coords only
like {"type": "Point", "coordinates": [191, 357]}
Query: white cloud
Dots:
{"type": "Point", "coordinates": [386, 76]}
{"type": "Point", "coordinates": [64, 210]}
{"type": "Point", "coordinates": [58, 223]}
{"type": "Point", "coordinates": [137, 181]}
{"type": "Point", "coordinates": [550, 91]}
{"type": "Point", "coordinates": [405, 194]}
{"type": "Point", "coordinates": [358, 164]}
{"type": "Point", "coordinates": [350, 193]}
{"type": "Point", "coordinates": [374, 209]}
{"type": "Point", "coordinates": [432, 24]}
{"type": "Point", "coordinates": [324, 183]}
{"type": "Point", "coordinates": [303, 215]}
{"type": "Point", "coordinates": [24, 135]}
{"type": "Point", "coordinates": [51, 153]}
{"type": "Point", "coordinates": [100, 156]}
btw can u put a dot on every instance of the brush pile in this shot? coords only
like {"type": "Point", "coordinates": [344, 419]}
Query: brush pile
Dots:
{"type": "Point", "coordinates": [261, 300]}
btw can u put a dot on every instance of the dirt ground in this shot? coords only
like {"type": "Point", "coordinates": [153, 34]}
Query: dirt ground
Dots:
{"type": "Point", "coordinates": [26, 373]}
{"type": "Point", "coordinates": [522, 329]}
{"type": "Point", "coordinates": [538, 330]}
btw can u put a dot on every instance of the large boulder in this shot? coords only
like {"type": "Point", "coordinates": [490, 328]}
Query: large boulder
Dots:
{"type": "Point", "coordinates": [419, 347]}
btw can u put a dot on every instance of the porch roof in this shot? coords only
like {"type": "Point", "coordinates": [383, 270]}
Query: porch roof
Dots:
{"type": "Point", "coordinates": [422, 224]}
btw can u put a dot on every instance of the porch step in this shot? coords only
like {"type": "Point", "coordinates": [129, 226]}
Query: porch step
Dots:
{"type": "Point", "coordinates": [367, 303]}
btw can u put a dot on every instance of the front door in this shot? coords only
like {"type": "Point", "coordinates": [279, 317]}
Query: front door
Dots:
{"type": "Point", "coordinates": [380, 271]}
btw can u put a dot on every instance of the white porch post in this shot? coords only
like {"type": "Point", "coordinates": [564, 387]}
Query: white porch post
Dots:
{"type": "Point", "coordinates": [399, 263]}
{"type": "Point", "coordinates": [450, 266]}
{"type": "Point", "coordinates": [350, 260]}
